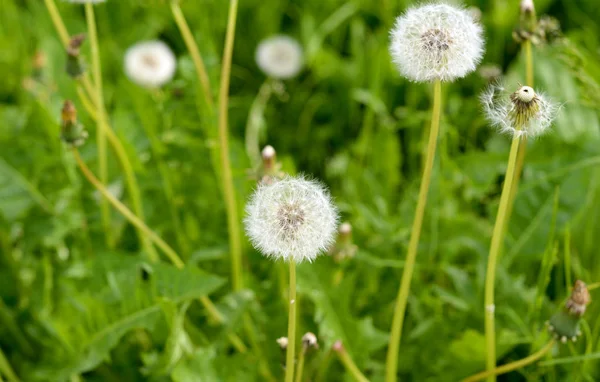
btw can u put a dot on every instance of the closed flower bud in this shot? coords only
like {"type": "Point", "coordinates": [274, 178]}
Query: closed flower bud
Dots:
{"type": "Point", "coordinates": [72, 132]}
{"type": "Point", "coordinates": [564, 325]}
{"type": "Point", "coordinates": [436, 42]}
{"type": "Point", "coordinates": [75, 66]}
{"type": "Point", "coordinates": [293, 219]}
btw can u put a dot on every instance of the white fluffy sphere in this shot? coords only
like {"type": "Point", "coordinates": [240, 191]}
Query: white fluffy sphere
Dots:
{"type": "Point", "coordinates": [293, 218]}
{"type": "Point", "coordinates": [150, 63]}
{"type": "Point", "coordinates": [280, 57]}
{"type": "Point", "coordinates": [436, 42]}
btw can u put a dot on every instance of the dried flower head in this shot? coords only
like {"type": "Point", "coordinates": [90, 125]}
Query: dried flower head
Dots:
{"type": "Point", "coordinates": [436, 42]}
{"type": "Point", "coordinates": [522, 113]}
{"type": "Point", "coordinates": [309, 340]}
{"type": "Point", "coordinates": [293, 218]}
{"type": "Point", "coordinates": [564, 324]}
{"type": "Point", "coordinates": [150, 63]}
{"type": "Point", "coordinates": [280, 57]}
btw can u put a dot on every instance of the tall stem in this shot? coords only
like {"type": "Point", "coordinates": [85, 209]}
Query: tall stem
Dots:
{"type": "Point", "coordinates": [100, 133]}
{"type": "Point", "coordinates": [513, 365]}
{"type": "Point", "coordinates": [351, 366]}
{"type": "Point", "coordinates": [192, 47]}
{"type": "Point", "coordinates": [6, 369]}
{"type": "Point", "coordinates": [289, 355]}
{"type": "Point", "coordinates": [400, 308]}
{"type": "Point", "coordinates": [300, 368]}
{"type": "Point", "coordinates": [104, 131]}
{"type": "Point", "coordinates": [497, 238]}
{"type": "Point", "coordinates": [233, 223]}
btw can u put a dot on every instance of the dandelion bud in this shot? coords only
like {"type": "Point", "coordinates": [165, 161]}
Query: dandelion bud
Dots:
{"type": "Point", "coordinates": [564, 325]}
{"type": "Point", "coordinates": [309, 340]}
{"type": "Point", "coordinates": [283, 342]}
{"type": "Point", "coordinates": [522, 113]}
{"type": "Point", "coordinates": [75, 66]}
{"type": "Point", "coordinates": [150, 64]}
{"type": "Point", "coordinates": [72, 132]}
{"type": "Point", "coordinates": [293, 219]}
{"type": "Point", "coordinates": [280, 57]}
{"type": "Point", "coordinates": [436, 42]}
{"type": "Point", "coordinates": [338, 347]}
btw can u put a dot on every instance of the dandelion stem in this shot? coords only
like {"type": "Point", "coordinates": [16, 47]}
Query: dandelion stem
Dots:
{"type": "Point", "coordinates": [104, 131]}
{"type": "Point", "coordinates": [101, 120]}
{"type": "Point", "coordinates": [400, 308]}
{"type": "Point", "coordinates": [233, 223]}
{"type": "Point", "coordinates": [212, 310]}
{"type": "Point", "coordinates": [254, 123]}
{"type": "Point", "coordinates": [496, 244]}
{"type": "Point", "coordinates": [513, 365]}
{"type": "Point", "coordinates": [300, 368]}
{"type": "Point", "coordinates": [192, 47]}
{"type": "Point", "coordinates": [289, 357]}
{"type": "Point", "coordinates": [351, 366]}
{"type": "Point", "coordinates": [59, 25]}
{"type": "Point", "coordinates": [6, 369]}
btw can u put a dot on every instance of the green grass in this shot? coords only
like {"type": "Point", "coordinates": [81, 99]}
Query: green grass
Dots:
{"type": "Point", "coordinates": [71, 308]}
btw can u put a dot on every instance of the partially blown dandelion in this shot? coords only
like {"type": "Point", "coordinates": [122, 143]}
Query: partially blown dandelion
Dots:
{"type": "Point", "coordinates": [150, 64]}
{"type": "Point", "coordinates": [522, 113]}
{"type": "Point", "coordinates": [279, 57]}
{"type": "Point", "coordinates": [436, 42]}
{"type": "Point", "coordinates": [293, 219]}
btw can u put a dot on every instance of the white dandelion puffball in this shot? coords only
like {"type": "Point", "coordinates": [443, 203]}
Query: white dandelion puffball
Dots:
{"type": "Point", "coordinates": [293, 218]}
{"type": "Point", "coordinates": [150, 63]}
{"type": "Point", "coordinates": [280, 57]}
{"type": "Point", "coordinates": [436, 42]}
{"type": "Point", "coordinates": [522, 113]}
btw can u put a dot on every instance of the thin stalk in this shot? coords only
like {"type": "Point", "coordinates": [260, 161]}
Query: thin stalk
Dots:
{"type": "Point", "coordinates": [6, 369]}
{"type": "Point", "coordinates": [171, 254]}
{"type": "Point", "coordinates": [255, 122]}
{"type": "Point", "coordinates": [103, 133]}
{"type": "Point", "coordinates": [351, 366]}
{"type": "Point", "coordinates": [523, 146]}
{"type": "Point", "coordinates": [233, 223]}
{"type": "Point", "coordinates": [511, 366]}
{"type": "Point", "coordinates": [300, 367]}
{"type": "Point", "coordinates": [496, 244]}
{"type": "Point", "coordinates": [192, 47]}
{"type": "Point", "coordinates": [400, 308]}
{"type": "Point", "coordinates": [59, 25]}
{"type": "Point", "coordinates": [87, 103]}
{"type": "Point", "coordinates": [101, 120]}
{"type": "Point", "coordinates": [289, 354]}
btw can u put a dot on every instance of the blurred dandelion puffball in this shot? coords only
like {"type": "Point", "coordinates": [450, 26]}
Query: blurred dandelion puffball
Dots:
{"type": "Point", "coordinates": [280, 57]}
{"type": "Point", "coordinates": [436, 42]}
{"type": "Point", "coordinates": [150, 64]}
{"type": "Point", "coordinates": [293, 219]}
{"type": "Point", "coordinates": [522, 113]}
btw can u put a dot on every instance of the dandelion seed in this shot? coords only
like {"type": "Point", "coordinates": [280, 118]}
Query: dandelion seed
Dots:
{"type": "Point", "coordinates": [280, 57]}
{"type": "Point", "coordinates": [436, 42]}
{"type": "Point", "coordinates": [150, 64]}
{"type": "Point", "coordinates": [293, 218]}
{"type": "Point", "coordinates": [522, 113]}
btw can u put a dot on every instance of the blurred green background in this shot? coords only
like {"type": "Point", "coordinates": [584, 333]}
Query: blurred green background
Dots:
{"type": "Point", "coordinates": [73, 309]}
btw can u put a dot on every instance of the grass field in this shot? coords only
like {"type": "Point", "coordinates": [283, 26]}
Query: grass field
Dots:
{"type": "Point", "coordinates": [178, 293]}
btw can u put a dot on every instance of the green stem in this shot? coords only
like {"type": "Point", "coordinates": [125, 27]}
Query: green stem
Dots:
{"type": "Point", "coordinates": [300, 367]}
{"type": "Point", "coordinates": [233, 224]}
{"type": "Point", "coordinates": [59, 25]}
{"type": "Point", "coordinates": [192, 47]}
{"type": "Point", "coordinates": [255, 122]}
{"type": "Point", "coordinates": [100, 133]}
{"type": "Point", "coordinates": [289, 357]}
{"type": "Point", "coordinates": [511, 366]}
{"type": "Point", "coordinates": [409, 265]}
{"type": "Point", "coordinates": [496, 244]}
{"type": "Point", "coordinates": [6, 369]}
{"type": "Point", "coordinates": [351, 366]}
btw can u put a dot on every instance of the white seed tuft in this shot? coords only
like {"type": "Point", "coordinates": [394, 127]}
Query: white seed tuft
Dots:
{"type": "Point", "coordinates": [522, 113]}
{"type": "Point", "coordinates": [293, 219]}
{"type": "Point", "coordinates": [150, 64]}
{"type": "Point", "coordinates": [436, 42]}
{"type": "Point", "coordinates": [280, 57]}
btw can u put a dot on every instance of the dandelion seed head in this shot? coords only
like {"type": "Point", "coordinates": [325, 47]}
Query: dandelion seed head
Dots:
{"type": "Point", "coordinates": [293, 218]}
{"type": "Point", "coordinates": [436, 42]}
{"type": "Point", "coordinates": [521, 113]}
{"type": "Point", "coordinates": [150, 64]}
{"type": "Point", "coordinates": [280, 57]}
